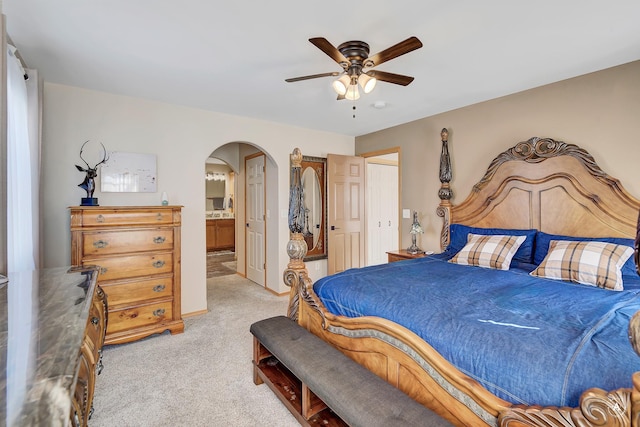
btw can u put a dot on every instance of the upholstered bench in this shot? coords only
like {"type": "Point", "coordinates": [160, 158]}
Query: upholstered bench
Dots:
{"type": "Point", "coordinates": [319, 384]}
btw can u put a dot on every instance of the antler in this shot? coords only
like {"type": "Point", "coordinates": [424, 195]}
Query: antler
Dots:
{"type": "Point", "coordinates": [85, 162]}
{"type": "Point", "coordinates": [104, 158]}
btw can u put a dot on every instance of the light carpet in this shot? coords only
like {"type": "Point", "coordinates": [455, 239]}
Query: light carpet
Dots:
{"type": "Point", "coordinates": [202, 377]}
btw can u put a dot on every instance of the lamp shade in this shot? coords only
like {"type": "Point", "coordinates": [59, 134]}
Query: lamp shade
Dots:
{"type": "Point", "coordinates": [340, 85]}
{"type": "Point", "coordinates": [367, 82]}
{"type": "Point", "coordinates": [352, 93]}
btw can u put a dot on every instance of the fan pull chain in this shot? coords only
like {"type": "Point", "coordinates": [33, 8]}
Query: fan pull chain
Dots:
{"type": "Point", "coordinates": [354, 109]}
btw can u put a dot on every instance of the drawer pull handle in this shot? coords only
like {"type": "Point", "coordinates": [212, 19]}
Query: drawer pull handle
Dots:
{"type": "Point", "coordinates": [103, 270]}
{"type": "Point", "coordinates": [159, 312]}
{"type": "Point", "coordinates": [158, 288]}
{"type": "Point", "coordinates": [159, 217]}
{"type": "Point", "coordinates": [100, 244]}
{"type": "Point", "coordinates": [159, 239]}
{"type": "Point", "coordinates": [94, 320]}
{"type": "Point", "coordinates": [100, 218]}
{"type": "Point", "coordinates": [158, 264]}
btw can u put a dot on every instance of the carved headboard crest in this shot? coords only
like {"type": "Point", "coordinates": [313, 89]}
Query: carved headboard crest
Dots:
{"type": "Point", "coordinates": [536, 150]}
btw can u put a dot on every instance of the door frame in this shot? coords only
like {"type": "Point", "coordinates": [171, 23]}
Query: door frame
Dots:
{"type": "Point", "coordinates": [392, 150]}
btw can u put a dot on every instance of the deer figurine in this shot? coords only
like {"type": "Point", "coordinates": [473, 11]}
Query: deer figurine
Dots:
{"type": "Point", "coordinates": [89, 184]}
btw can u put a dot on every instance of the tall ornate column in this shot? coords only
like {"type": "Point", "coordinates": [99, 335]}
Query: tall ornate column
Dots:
{"type": "Point", "coordinates": [445, 193]}
{"type": "Point", "coordinates": [297, 247]}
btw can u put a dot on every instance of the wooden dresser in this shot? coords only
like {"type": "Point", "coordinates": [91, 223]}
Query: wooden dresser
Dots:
{"type": "Point", "coordinates": [137, 250]}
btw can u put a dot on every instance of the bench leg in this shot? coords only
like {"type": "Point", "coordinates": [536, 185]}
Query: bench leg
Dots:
{"type": "Point", "coordinates": [258, 352]}
{"type": "Point", "coordinates": [311, 404]}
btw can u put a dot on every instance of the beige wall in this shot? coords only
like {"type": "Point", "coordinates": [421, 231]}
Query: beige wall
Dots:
{"type": "Point", "coordinates": [600, 112]}
{"type": "Point", "coordinates": [182, 138]}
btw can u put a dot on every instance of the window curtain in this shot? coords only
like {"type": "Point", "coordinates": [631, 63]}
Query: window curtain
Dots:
{"type": "Point", "coordinates": [22, 167]}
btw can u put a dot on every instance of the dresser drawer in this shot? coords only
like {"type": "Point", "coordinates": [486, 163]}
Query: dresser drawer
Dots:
{"type": "Point", "coordinates": [141, 290]}
{"type": "Point", "coordinates": [144, 315]}
{"type": "Point", "coordinates": [115, 242]}
{"type": "Point", "coordinates": [120, 267]}
{"type": "Point", "coordinates": [106, 217]}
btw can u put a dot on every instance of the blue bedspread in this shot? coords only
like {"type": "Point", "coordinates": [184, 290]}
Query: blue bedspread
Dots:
{"type": "Point", "coordinates": [527, 340]}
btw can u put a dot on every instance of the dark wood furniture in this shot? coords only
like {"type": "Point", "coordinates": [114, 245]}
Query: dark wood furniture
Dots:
{"type": "Point", "coordinates": [137, 250]}
{"type": "Point", "coordinates": [544, 184]}
{"type": "Point", "coordinates": [221, 234]}
{"type": "Point", "coordinates": [402, 254]}
{"type": "Point", "coordinates": [54, 346]}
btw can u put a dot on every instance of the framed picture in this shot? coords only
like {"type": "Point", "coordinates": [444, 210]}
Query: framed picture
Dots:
{"type": "Point", "coordinates": [129, 173]}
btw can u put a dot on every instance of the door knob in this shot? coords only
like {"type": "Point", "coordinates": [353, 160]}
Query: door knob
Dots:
{"type": "Point", "coordinates": [333, 227]}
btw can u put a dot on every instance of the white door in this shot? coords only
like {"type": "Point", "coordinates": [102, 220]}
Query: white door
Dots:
{"type": "Point", "coordinates": [345, 206]}
{"type": "Point", "coordinates": [255, 219]}
{"type": "Point", "coordinates": [382, 211]}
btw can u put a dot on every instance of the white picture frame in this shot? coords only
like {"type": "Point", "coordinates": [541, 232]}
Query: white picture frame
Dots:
{"type": "Point", "coordinates": [129, 173]}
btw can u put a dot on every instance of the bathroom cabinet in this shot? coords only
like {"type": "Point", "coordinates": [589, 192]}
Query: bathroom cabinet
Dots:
{"type": "Point", "coordinates": [221, 234]}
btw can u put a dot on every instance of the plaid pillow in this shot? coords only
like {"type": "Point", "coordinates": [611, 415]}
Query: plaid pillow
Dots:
{"type": "Point", "coordinates": [587, 262]}
{"type": "Point", "coordinates": [488, 251]}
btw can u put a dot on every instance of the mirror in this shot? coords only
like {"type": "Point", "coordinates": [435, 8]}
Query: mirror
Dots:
{"type": "Point", "coordinates": [217, 189]}
{"type": "Point", "coordinates": [313, 177]}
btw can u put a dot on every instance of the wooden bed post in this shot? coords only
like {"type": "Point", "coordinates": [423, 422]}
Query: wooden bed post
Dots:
{"type": "Point", "coordinates": [297, 247]}
{"type": "Point", "coordinates": [445, 193]}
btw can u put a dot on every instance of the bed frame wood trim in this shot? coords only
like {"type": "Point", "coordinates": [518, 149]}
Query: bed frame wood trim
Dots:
{"type": "Point", "coordinates": [522, 188]}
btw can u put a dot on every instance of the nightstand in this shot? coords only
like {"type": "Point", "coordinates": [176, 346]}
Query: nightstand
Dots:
{"type": "Point", "coordinates": [402, 254]}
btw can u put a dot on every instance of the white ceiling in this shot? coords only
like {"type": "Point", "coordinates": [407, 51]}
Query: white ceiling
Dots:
{"type": "Point", "coordinates": [232, 57]}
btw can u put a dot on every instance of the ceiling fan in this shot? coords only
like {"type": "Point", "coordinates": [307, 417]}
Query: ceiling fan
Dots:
{"type": "Point", "coordinates": [353, 57]}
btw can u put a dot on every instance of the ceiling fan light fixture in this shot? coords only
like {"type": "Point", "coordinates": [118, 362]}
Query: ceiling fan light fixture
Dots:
{"type": "Point", "coordinates": [367, 82]}
{"type": "Point", "coordinates": [352, 93]}
{"type": "Point", "coordinates": [341, 85]}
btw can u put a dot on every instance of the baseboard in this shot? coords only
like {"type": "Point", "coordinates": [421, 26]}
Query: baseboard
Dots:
{"type": "Point", "coordinates": [194, 313]}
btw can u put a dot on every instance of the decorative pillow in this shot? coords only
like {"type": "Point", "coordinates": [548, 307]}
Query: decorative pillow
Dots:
{"type": "Point", "coordinates": [459, 236]}
{"type": "Point", "coordinates": [488, 251]}
{"type": "Point", "coordinates": [587, 262]}
{"type": "Point", "coordinates": [543, 239]}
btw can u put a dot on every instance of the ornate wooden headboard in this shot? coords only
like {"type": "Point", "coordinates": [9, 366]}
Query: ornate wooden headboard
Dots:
{"type": "Point", "coordinates": [544, 184]}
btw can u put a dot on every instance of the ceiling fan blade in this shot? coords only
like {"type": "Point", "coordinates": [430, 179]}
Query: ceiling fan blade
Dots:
{"type": "Point", "coordinates": [312, 76]}
{"type": "Point", "coordinates": [383, 76]}
{"type": "Point", "coordinates": [410, 44]}
{"type": "Point", "coordinates": [324, 45]}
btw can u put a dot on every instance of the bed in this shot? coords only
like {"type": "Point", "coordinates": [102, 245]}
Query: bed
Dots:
{"type": "Point", "coordinates": [498, 346]}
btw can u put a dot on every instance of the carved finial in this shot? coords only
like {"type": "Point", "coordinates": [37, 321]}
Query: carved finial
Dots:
{"type": "Point", "coordinates": [445, 167]}
{"type": "Point", "coordinates": [296, 158]}
{"type": "Point", "coordinates": [297, 247]}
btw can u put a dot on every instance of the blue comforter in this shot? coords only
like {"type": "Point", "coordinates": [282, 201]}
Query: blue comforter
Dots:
{"type": "Point", "coordinates": [527, 340]}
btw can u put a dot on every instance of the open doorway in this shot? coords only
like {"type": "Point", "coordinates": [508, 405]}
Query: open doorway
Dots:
{"type": "Point", "coordinates": [238, 156]}
{"type": "Point", "coordinates": [220, 196]}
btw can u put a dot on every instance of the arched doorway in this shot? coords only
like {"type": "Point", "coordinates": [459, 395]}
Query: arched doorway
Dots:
{"type": "Point", "coordinates": [234, 155]}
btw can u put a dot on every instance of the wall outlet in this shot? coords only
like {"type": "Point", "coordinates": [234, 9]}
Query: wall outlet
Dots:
{"type": "Point", "coordinates": [406, 213]}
